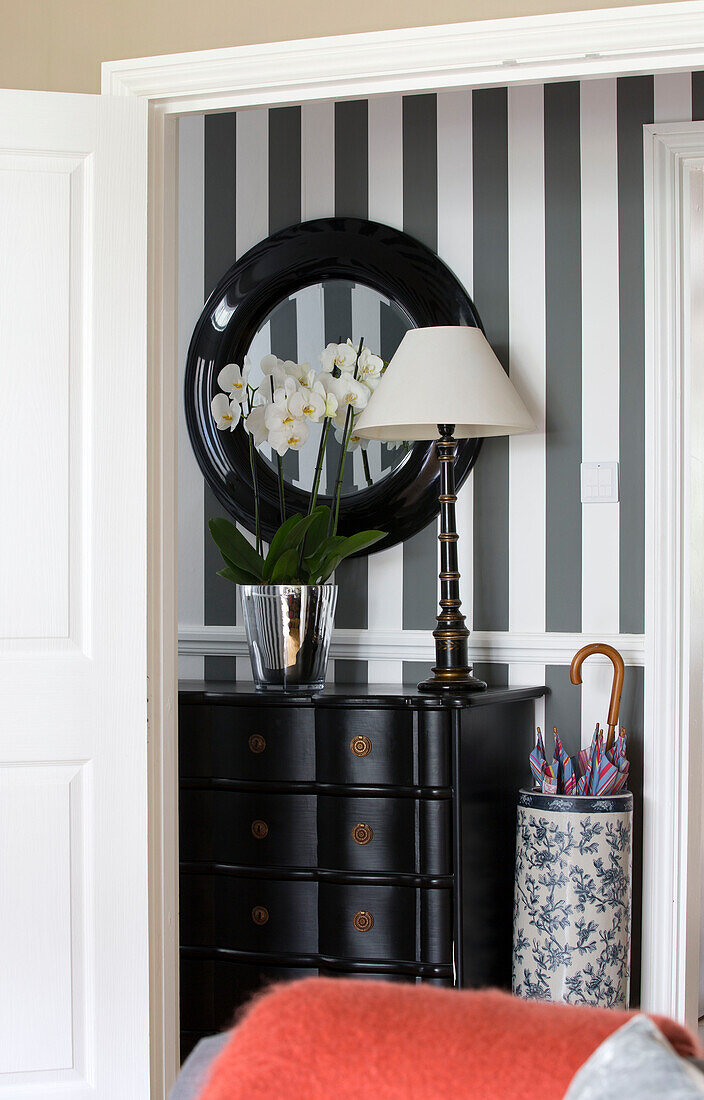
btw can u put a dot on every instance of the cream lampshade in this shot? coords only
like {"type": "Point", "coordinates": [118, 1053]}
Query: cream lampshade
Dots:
{"type": "Point", "coordinates": [445, 384]}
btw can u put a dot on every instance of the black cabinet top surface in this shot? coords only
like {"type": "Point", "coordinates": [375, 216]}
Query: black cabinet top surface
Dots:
{"type": "Point", "coordinates": [345, 695]}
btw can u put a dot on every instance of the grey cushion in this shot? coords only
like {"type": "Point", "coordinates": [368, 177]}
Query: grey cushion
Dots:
{"type": "Point", "coordinates": [636, 1063]}
{"type": "Point", "coordinates": [194, 1071]}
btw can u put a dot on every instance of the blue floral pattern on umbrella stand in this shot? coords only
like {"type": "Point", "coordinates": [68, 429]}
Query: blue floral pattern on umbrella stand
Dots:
{"type": "Point", "coordinates": [572, 902]}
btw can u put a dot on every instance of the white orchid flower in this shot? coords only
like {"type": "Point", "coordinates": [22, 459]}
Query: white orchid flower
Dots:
{"type": "Point", "coordinates": [226, 413]}
{"type": "Point", "coordinates": [349, 391]}
{"type": "Point", "coordinates": [298, 371]}
{"type": "Point", "coordinates": [269, 364]}
{"type": "Point", "coordinates": [278, 414]}
{"type": "Point", "coordinates": [370, 366]}
{"type": "Point", "coordinates": [307, 404]}
{"type": "Point", "coordinates": [290, 435]}
{"type": "Point", "coordinates": [330, 399]}
{"type": "Point", "coordinates": [255, 424]}
{"type": "Point", "coordinates": [342, 356]}
{"type": "Point", "coordinates": [233, 380]}
{"type": "Point", "coordinates": [355, 440]}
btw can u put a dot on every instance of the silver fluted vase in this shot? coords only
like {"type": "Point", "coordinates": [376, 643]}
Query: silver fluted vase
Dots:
{"type": "Point", "coordinates": [288, 629]}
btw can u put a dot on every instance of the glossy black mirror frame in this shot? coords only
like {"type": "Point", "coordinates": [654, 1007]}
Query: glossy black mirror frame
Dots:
{"type": "Point", "coordinates": [384, 259]}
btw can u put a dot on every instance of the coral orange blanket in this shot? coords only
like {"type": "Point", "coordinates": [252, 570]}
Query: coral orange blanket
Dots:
{"type": "Point", "coordinates": [336, 1039]}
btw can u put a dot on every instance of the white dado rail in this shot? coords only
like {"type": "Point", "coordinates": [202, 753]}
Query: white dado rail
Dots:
{"type": "Point", "coordinates": [417, 645]}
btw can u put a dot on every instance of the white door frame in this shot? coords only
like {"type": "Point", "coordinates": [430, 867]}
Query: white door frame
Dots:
{"type": "Point", "coordinates": [569, 46]}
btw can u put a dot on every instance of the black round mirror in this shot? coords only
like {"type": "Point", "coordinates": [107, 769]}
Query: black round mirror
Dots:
{"type": "Point", "coordinates": [322, 282]}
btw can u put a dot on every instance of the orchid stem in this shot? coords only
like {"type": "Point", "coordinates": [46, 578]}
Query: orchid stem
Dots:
{"type": "Point", "coordinates": [255, 485]}
{"type": "Point", "coordinates": [280, 466]}
{"type": "Point", "coordinates": [367, 471]}
{"type": "Point", "coordinates": [316, 483]}
{"type": "Point", "coordinates": [334, 512]}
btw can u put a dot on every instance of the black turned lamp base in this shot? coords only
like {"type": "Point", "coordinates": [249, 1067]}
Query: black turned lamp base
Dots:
{"type": "Point", "coordinates": [452, 673]}
{"type": "Point", "coordinates": [459, 684]}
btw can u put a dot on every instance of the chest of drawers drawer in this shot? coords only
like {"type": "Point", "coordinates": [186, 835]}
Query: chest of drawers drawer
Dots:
{"type": "Point", "coordinates": [310, 919]}
{"type": "Point", "coordinates": [334, 832]}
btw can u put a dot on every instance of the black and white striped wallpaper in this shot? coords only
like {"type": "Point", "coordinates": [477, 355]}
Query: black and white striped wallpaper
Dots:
{"type": "Point", "coordinates": [533, 195]}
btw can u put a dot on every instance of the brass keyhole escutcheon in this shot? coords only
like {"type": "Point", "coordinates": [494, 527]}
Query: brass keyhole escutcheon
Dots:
{"type": "Point", "coordinates": [360, 745]}
{"type": "Point", "coordinates": [362, 834]}
{"type": "Point", "coordinates": [257, 743]}
{"type": "Point", "coordinates": [363, 921]}
{"type": "Point", "coordinates": [260, 829]}
{"type": "Point", "coordinates": [260, 914]}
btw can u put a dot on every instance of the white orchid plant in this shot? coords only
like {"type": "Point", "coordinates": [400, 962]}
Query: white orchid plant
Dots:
{"type": "Point", "coordinates": [306, 549]}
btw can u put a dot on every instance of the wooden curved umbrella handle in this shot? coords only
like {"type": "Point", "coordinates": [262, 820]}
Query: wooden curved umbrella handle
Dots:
{"type": "Point", "coordinates": [617, 686]}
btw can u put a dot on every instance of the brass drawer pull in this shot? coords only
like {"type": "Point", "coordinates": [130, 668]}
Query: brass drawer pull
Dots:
{"type": "Point", "coordinates": [363, 921]}
{"type": "Point", "coordinates": [260, 914]}
{"type": "Point", "coordinates": [362, 834]}
{"type": "Point", "coordinates": [360, 745]}
{"type": "Point", "coordinates": [257, 743]}
{"type": "Point", "coordinates": [260, 829]}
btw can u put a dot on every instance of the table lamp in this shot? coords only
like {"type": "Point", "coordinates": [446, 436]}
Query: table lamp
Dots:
{"type": "Point", "coordinates": [445, 384]}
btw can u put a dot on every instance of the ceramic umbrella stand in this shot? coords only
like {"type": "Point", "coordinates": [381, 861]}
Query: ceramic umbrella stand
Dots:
{"type": "Point", "coordinates": [572, 902]}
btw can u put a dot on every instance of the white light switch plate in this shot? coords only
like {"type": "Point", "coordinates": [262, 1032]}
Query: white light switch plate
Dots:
{"type": "Point", "coordinates": [599, 482]}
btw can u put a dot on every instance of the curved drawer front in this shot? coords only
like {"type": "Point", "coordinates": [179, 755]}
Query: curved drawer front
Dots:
{"type": "Point", "coordinates": [270, 744]}
{"type": "Point", "coordinates": [395, 835]}
{"type": "Point", "coordinates": [247, 914]}
{"type": "Point", "coordinates": [251, 828]}
{"type": "Point", "coordinates": [398, 923]}
{"type": "Point", "coordinates": [366, 746]}
{"type": "Point", "coordinates": [391, 923]}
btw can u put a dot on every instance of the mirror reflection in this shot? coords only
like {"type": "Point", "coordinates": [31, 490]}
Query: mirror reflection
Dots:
{"type": "Point", "coordinates": [299, 331]}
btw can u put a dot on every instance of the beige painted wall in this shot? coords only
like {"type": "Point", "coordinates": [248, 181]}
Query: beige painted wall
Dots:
{"type": "Point", "coordinates": [58, 45]}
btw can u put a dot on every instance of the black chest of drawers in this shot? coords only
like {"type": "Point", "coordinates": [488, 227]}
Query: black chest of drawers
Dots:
{"type": "Point", "coordinates": [363, 831]}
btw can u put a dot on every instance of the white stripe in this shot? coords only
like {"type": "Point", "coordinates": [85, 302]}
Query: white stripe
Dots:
{"type": "Point", "coordinates": [385, 575]}
{"type": "Point", "coordinates": [673, 97]}
{"type": "Point", "coordinates": [600, 347]}
{"type": "Point", "coordinates": [596, 693]}
{"type": "Point", "coordinates": [455, 248]}
{"type": "Point", "coordinates": [252, 184]}
{"type": "Point", "coordinates": [191, 581]}
{"type": "Point", "coordinates": [526, 187]}
{"type": "Point", "coordinates": [529, 675]}
{"type": "Point", "coordinates": [317, 160]}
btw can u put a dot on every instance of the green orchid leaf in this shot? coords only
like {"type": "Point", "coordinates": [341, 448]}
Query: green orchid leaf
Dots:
{"type": "Point", "coordinates": [350, 545]}
{"type": "Point", "coordinates": [285, 568]}
{"type": "Point", "coordinates": [279, 543]}
{"type": "Point", "coordinates": [233, 546]}
{"type": "Point", "coordinates": [237, 576]}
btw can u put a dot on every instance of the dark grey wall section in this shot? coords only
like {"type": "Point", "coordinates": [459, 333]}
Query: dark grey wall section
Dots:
{"type": "Point", "coordinates": [420, 219]}
{"type": "Point", "coordinates": [284, 167]}
{"type": "Point", "coordinates": [634, 109]}
{"type": "Point", "coordinates": [220, 596]}
{"type": "Point", "coordinates": [563, 314]}
{"type": "Point", "coordinates": [351, 200]}
{"type": "Point", "coordinates": [351, 159]}
{"type": "Point", "coordinates": [697, 97]}
{"type": "Point", "coordinates": [631, 717]}
{"type": "Point", "coordinates": [563, 708]}
{"type": "Point", "coordinates": [219, 197]}
{"type": "Point", "coordinates": [415, 671]}
{"type": "Point", "coordinates": [490, 217]}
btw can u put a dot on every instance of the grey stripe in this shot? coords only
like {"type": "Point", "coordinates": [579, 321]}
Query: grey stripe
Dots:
{"type": "Point", "coordinates": [284, 167]}
{"type": "Point", "coordinates": [563, 314]}
{"type": "Point", "coordinates": [493, 674]}
{"type": "Point", "coordinates": [490, 229]}
{"type": "Point", "coordinates": [351, 200]}
{"type": "Point", "coordinates": [697, 97]}
{"type": "Point", "coordinates": [351, 159]}
{"type": "Point", "coordinates": [283, 327]}
{"type": "Point", "coordinates": [415, 671]}
{"type": "Point", "coordinates": [634, 109]}
{"type": "Point", "coordinates": [420, 220]}
{"type": "Point", "coordinates": [563, 708]}
{"type": "Point", "coordinates": [219, 600]}
{"type": "Point", "coordinates": [632, 706]}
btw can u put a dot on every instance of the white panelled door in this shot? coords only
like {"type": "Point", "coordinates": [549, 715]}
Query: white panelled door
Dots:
{"type": "Point", "coordinates": [74, 994]}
